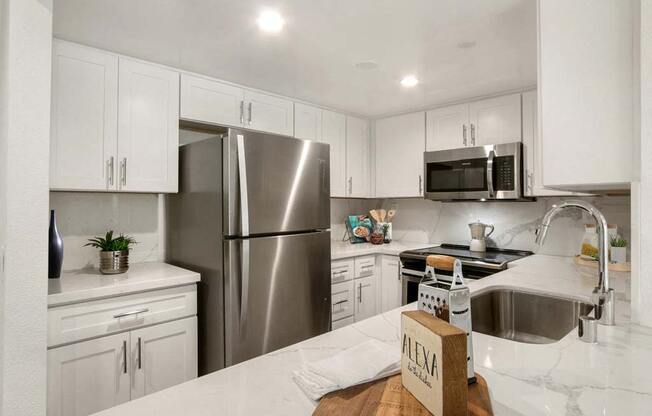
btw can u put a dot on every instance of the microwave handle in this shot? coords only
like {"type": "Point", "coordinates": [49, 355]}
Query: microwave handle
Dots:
{"type": "Point", "coordinates": [490, 173]}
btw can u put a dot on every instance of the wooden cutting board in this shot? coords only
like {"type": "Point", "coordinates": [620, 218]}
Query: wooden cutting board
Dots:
{"type": "Point", "coordinates": [388, 397]}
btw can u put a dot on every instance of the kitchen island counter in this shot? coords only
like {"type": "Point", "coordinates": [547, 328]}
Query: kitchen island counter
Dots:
{"type": "Point", "coordinates": [568, 377]}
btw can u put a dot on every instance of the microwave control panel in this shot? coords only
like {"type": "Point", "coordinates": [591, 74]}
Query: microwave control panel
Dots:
{"type": "Point", "coordinates": [504, 173]}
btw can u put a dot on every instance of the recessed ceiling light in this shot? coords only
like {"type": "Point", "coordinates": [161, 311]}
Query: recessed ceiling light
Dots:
{"type": "Point", "coordinates": [409, 81]}
{"type": "Point", "coordinates": [366, 65]}
{"type": "Point", "coordinates": [270, 21]}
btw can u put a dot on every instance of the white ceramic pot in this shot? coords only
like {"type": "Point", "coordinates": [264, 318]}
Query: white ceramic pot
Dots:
{"type": "Point", "coordinates": [619, 254]}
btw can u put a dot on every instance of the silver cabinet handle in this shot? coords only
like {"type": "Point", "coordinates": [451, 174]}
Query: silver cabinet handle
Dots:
{"type": "Point", "coordinates": [249, 107]}
{"type": "Point", "coordinates": [350, 185]}
{"type": "Point", "coordinates": [530, 181]}
{"type": "Point", "coordinates": [110, 168]}
{"type": "Point", "coordinates": [123, 171]}
{"type": "Point", "coordinates": [340, 302]}
{"type": "Point", "coordinates": [472, 134]}
{"type": "Point", "coordinates": [420, 185]}
{"type": "Point", "coordinates": [140, 357]}
{"type": "Point", "coordinates": [134, 312]}
{"type": "Point", "coordinates": [464, 134]}
{"type": "Point", "coordinates": [490, 173]}
{"type": "Point", "coordinates": [359, 292]}
{"type": "Point", "coordinates": [241, 112]}
{"type": "Point", "coordinates": [124, 356]}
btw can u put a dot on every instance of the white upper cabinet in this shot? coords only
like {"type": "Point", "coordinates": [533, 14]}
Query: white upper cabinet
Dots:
{"type": "Point", "coordinates": [307, 122]}
{"type": "Point", "coordinates": [334, 133]}
{"type": "Point", "coordinates": [269, 113]}
{"type": "Point", "coordinates": [84, 119]}
{"type": "Point", "coordinates": [447, 128]}
{"type": "Point", "coordinates": [208, 101]}
{"type": "Point", "coordinates": [148, 128]}
{"type": "Point", "coordinates": [495, 120]}
{"type": "Point", "coordinates": [585, 82]}
{"type": "Point", "coordinates": [399, 147]}
{"type": "Point", "coordinates": [357, 158]}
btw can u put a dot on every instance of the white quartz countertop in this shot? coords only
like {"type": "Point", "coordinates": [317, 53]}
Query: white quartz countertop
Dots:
{"type": "Point", "coordinates": [344, 249]}
{"type": "Point", "coordinates": [568, 377]}
{"type": "Point", "coordinates": [85, 285]}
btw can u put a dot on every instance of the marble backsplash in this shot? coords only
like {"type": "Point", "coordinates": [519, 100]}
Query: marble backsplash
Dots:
{"type": "Point", "coordinates": [82, 215]}
{"type": "Point", "coordinates": [436, 222]}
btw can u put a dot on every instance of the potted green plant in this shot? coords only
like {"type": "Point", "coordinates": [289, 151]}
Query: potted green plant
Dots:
{"type": "Point", "coordinates": [114, 252]}
{"type": "Point", "coordinates": [618, 250]}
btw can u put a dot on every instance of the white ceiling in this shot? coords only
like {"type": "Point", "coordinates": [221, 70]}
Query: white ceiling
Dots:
{"type": "Point", "coordinates": [313, 58]}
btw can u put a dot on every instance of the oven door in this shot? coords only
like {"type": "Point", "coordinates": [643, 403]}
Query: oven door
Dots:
{"type": "Point", "coordinates": [484, 172]}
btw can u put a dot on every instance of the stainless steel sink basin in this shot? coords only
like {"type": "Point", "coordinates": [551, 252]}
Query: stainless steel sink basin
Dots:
{"type": "Point", "coordinates": [525, 317]}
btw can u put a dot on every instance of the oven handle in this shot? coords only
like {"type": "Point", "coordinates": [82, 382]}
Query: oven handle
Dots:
{"type": "Point", "coordinates": [490, 173]}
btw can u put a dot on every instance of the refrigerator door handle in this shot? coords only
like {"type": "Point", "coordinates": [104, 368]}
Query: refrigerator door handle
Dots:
{"type": "Point", "coordinates": [244, 285]}
{"type": "Point", "coordinates": [244, 199]}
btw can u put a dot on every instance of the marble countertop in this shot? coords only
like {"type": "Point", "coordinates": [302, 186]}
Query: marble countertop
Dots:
{"type": "Point", "coordinates": [85, 285]}
{"type": "Point", "coordinates": [344, 249]}
{"type": "Point", "coordinates": [568, 377]}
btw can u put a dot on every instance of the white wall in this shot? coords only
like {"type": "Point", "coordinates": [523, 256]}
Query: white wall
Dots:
{"type": "Point", "coordinates": [436, 222]}
{"type": "Point", "coordinates": [82, 215]}
{"type": "Point", "coordinates": [25, 48]}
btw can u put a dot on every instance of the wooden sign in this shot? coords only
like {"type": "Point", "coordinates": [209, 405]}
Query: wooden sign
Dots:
{"type": "Point", "coordinates": [433, 363]}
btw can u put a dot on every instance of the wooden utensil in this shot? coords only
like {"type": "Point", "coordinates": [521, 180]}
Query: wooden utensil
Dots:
{"type": "Point", "coordinates": [388, 397]}
{"type": "Point", "coordinates": [441, 262]}
{"type": "Point", "coordinates": [390, 215]}
{"type": "Point", "coordinates": [382, 215]}
{"type": "Point", "coordinates": [375, 215]}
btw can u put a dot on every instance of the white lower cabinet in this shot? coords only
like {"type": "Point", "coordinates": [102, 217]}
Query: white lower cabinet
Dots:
{"type": "Point", "coordinates": [343, 322]}
{"type": "Point", "coordinates": [342, 300]}
{"type": "Point", "coordinates": [365, 298]}
{"type": "Point", "coordinates": [163, 356]}
{"type": "Point", "coordinates": [89, 376]}
{"type": "Point", "coordinates": [390, 283]}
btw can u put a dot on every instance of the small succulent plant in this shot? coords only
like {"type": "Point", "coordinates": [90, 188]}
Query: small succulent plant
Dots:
{"type": "Point", "coordinates": [109, 243]}
{"type": "Point", "coordinates": [618, 242]}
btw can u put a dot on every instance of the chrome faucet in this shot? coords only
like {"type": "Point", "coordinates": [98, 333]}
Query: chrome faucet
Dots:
{"type": "Point", "coordinates": [602, 296]}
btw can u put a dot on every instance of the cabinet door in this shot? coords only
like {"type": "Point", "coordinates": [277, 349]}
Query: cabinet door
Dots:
{"type": "Point", "coordinates": [148, 128]}
{"type": "Point", "coordinates": [86, 377]}
{"type": "Point", "coordinates": [342, 300]}
{"type": "Point", "coordinates": [357, 158]}
{"type": "Point", "coordinates": [390, 284]}
{"type": "Point", "coordinates": [209, 101]}
{"type": "Point", "coordinates": [447, 128]}
{"type": "Point", "coordinates": [533, 175]}
{"type": "Point", "coordinates": [586, 78]}
{"type": "Point", "coordinates": [307, 122]}
{"type": "Point", "coordinates": [84, 118]}
{"type": "Point", "coordinates": [163, 355]}
{"type": "Point", "coordinates": [365, 298]}
{"type": "Point", "coordinates": [495, 120]}
{"type": "Point", "coordinates": [399, 147]}
{"type": "Point", "coordinates": [269, 113]}
{"type": "Point", "coordinates": [334, 133]}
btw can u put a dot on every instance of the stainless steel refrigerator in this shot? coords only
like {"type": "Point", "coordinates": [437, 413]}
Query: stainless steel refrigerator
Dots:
{"type": "Point", "coordinates": [252, 216]}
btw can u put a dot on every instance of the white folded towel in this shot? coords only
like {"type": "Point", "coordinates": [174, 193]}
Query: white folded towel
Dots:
{"type": "Point", "coordinates": [371, 360]}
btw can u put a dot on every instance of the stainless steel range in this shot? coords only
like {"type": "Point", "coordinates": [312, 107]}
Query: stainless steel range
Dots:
{"type": "Point", "coordinates": [475, 265]}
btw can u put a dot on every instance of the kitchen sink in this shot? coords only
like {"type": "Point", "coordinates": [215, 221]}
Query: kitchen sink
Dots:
{"type": "Point", "coordinates": [525, 317]}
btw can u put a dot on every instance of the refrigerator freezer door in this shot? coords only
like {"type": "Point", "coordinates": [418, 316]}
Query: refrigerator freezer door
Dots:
{"type": "Point", "coordinates": [277, 292]}
{"type": "Point", "coordinates": [285, 186]}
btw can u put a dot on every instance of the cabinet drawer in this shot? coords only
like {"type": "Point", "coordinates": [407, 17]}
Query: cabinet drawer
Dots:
{"type": "Point", "coordinates": [72, 323]}
{"type": "Point", "coordinates": [343, 322]}
{"type": "Point", "coordinates": [341, 270]}
{"type": "Point", "coordinates": [364, 266]}
{"type": "Point", "coordinates": [342, 295]}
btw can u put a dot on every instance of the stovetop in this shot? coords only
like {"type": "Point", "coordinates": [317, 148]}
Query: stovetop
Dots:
{"type": "Point", "coordinates": [492, 258]}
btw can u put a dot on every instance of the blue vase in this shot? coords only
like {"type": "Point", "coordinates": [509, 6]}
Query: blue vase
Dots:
{"type": "Point", "coordinates": [55, 249]}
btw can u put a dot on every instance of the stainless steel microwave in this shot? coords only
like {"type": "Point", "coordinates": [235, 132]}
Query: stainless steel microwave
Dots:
{"type": "Point", "coordinates": [475, 173]}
